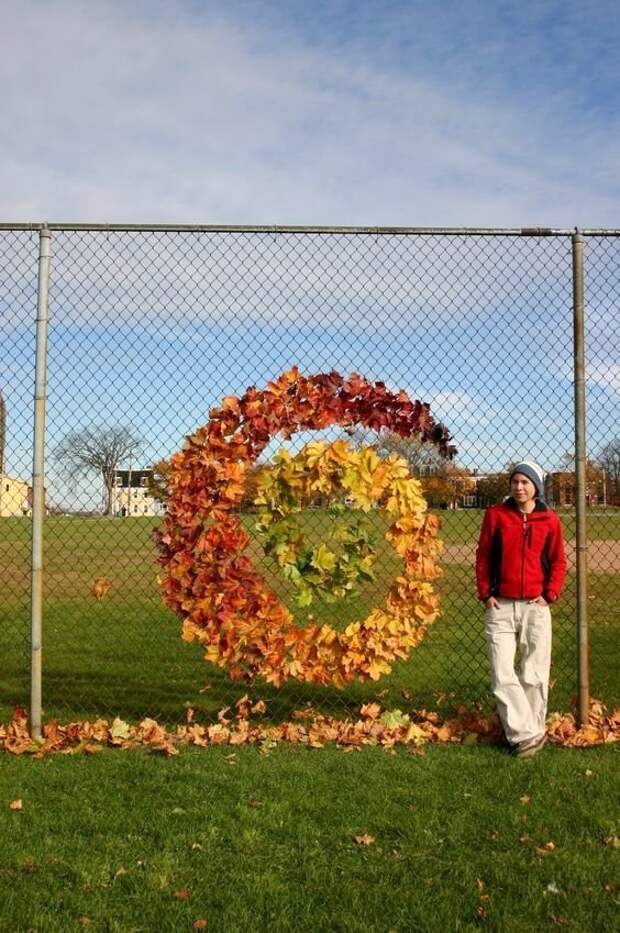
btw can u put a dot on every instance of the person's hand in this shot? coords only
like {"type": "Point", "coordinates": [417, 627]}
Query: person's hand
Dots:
{"type": "Point", "coordinates": [492, 603]}
{"type": "Point", "coordinates": [539, 601]}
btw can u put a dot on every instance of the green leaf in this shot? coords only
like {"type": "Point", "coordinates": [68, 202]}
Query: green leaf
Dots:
{"type": "Point", "coordinates": [394, 719]}
{"type": "Point", "coordinates": [304, 598]}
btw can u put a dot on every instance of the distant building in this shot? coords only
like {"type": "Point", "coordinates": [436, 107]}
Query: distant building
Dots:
{"type": "Point", "coordinates": [15, 497]}
{"type": "Point", "coordinates": [131, 496]}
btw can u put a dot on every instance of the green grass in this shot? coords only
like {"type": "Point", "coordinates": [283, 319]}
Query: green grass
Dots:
{"type": "Point", "coordinates": [124, 655]}
{"type": "Point", "coordinates": [266, 843]}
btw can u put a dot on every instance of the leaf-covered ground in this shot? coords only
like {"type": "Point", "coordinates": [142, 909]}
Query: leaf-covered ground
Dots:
{"type": "Point", "coordinates": [446, 838]}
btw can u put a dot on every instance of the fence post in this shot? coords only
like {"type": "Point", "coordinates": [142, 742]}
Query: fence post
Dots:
{"type": "Point", "coordinates": [583, 672]}
{"type": "Point", "coordinates": [38, 482]}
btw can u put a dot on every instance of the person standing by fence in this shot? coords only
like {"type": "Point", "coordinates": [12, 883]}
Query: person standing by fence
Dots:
{"type": "Point", "coordinates": [520, 571]}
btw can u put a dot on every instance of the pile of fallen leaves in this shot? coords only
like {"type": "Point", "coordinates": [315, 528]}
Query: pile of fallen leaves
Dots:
{"type": "Point", "coordinates": [240, 726]}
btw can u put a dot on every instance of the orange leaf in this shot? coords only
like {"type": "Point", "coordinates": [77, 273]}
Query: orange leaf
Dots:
{"type": "Point", "coordinates": [16, 805]}
{"type": "Point", "coordinates": [181, 895]}
{"type": "Point", "coordinates": [364, 840]}
{"type": "Point", "coordinates": [200, 924]}
{"type": "Point", "coordinates": [546, 849]}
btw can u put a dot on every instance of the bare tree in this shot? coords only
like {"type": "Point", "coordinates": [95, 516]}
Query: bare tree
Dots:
{"type": "Point", "coordinates": [609, 460]}
{"type": "Point", "coordinates": [98, 449]}
{"type": "Point", "coordinates": [424, 459]}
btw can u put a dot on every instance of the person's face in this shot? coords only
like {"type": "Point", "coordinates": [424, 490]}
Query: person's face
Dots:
{"type": "Point", "coordinates": [522, 488]}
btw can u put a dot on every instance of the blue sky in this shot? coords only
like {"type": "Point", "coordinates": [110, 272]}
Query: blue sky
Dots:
{"type": "Point", "coordinates": [432, 113]}
{"type": "Point", "coordinates": [380, 113]}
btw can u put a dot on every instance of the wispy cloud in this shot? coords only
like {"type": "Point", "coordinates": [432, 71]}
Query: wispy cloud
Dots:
{"type": "Point", "coordinates": [368, 113]}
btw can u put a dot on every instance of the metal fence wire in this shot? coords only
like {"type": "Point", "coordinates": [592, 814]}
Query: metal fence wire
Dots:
{"type": "Point", "coordinates": [151, 328]}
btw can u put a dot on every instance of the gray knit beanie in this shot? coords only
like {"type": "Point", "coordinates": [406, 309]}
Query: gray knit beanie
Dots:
{"type": "Point", "coordinates": [533, 472]}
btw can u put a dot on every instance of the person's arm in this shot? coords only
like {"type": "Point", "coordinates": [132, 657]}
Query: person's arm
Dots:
{"type": "Point", "coordinates": [557, 563]}
{"type": "Point", "coordinates": [483, 557]}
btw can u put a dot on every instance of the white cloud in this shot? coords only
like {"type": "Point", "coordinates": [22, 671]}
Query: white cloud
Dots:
{"type": "Point", "coordinates": [164, 112]}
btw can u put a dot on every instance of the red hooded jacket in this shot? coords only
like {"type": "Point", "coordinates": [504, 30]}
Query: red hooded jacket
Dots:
{"type": "Point", "coordinates": [520, 556]}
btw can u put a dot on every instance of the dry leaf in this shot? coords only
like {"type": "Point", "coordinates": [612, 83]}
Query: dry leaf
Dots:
{"type": "Point", "coordinates": [200, 924]}
{"type": "Point", "coordinates": [546, 849]}
{"type": "Point", "coordinates": [613, 841]}
{"type": "Point", "coordinates": [524, 799]}
{"type": "Point", "coordinates": [181, 895]}
{"type": "Point", "coordinates": [84, 921]}
{"type": "Point", "coordinates": [196, 845]}
{"type": "Point", "coordinates": [364, 840]}
{"type": "Point", "coordinates": [558, 921]}
{"type": "Point", "coordinates": [100, 587]}
{"type": "Point", "coordinates": [16, 805]}
{"type": "Point", "coordinates": [524, 839]}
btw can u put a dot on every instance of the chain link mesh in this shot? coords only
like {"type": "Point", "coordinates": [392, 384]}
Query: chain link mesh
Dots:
{"type": "Point", "coordinates": [149, 330]}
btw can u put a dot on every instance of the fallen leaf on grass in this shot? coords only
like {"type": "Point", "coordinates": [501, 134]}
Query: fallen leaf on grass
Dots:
{"type": "Point", "coordinates": [613, 841]}
{"type": "Point", "coordinates": [200, 924]}
{"type": "Point", "coordinates": [524, 839]}
{"type": "Point", "coordinates": [181, 895]}
{"type": "Point", "coordinates": [588, 772]}
{"type": "Point", "coordinates": [552, 888]}
{"type": "Point", "coordinates": [196, 845]}
{"type": "Point", "coordinates": [546, 849]}
{"type": "Point", "coordinates": [481, 912]}
{"type": "Point", "coordinates": [524, 799]}
{"type": "Point", "coordinates": [365, 840]}
{"type": "Point", "coordinates": [558, 921]}
{"type": "Point", "coordinates": [100, 587]}
{"type": "Point", "coordinates": [16, 805]}
{"type": "Point", "coordinates": [84, 921]}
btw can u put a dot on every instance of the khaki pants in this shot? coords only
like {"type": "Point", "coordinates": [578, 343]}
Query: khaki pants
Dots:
{"type": "Point", "coordinates": [521, 696]}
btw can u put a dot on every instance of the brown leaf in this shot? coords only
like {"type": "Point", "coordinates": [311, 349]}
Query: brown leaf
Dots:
{"type": "Point", "coordinates": [546, 849]}
{"type": "Point", "coordinates": [181, 895]}
{"type": "Point", "coordinates": [100, 587]}
{"type": "Point", "coordinates": [364, 840]}
{"type": "Point", "coordinates": [200, 924]}
{"type": "Point", "coordinates": [443, 734]}
{"type": "Point", "coordinates": [524, 839]}
{"type": "Point", "coordinates": [16, 805]}
{"type": "Point", "coordinates": [524, 799]}
{"type": "Point", "coordinates": [84, 921]}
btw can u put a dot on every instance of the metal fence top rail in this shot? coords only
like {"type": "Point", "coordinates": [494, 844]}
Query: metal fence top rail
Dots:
{"type": "Point", "coordinates": [292, 228]}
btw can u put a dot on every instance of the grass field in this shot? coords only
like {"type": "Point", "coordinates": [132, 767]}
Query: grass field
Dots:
{"type": "Point", "coordinates": [464, 839]}
{"type": "Point", "coordinates": [124, 655]}
{"type": "Point", "coordinates": [129, 842]}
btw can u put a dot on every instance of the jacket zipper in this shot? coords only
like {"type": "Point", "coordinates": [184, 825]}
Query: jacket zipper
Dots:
{"type": "Point", "coordinates": [525, 530]}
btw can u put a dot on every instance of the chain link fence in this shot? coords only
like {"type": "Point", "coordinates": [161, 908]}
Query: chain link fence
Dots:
{"type": "Point", "coordinates": [149, 329]}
